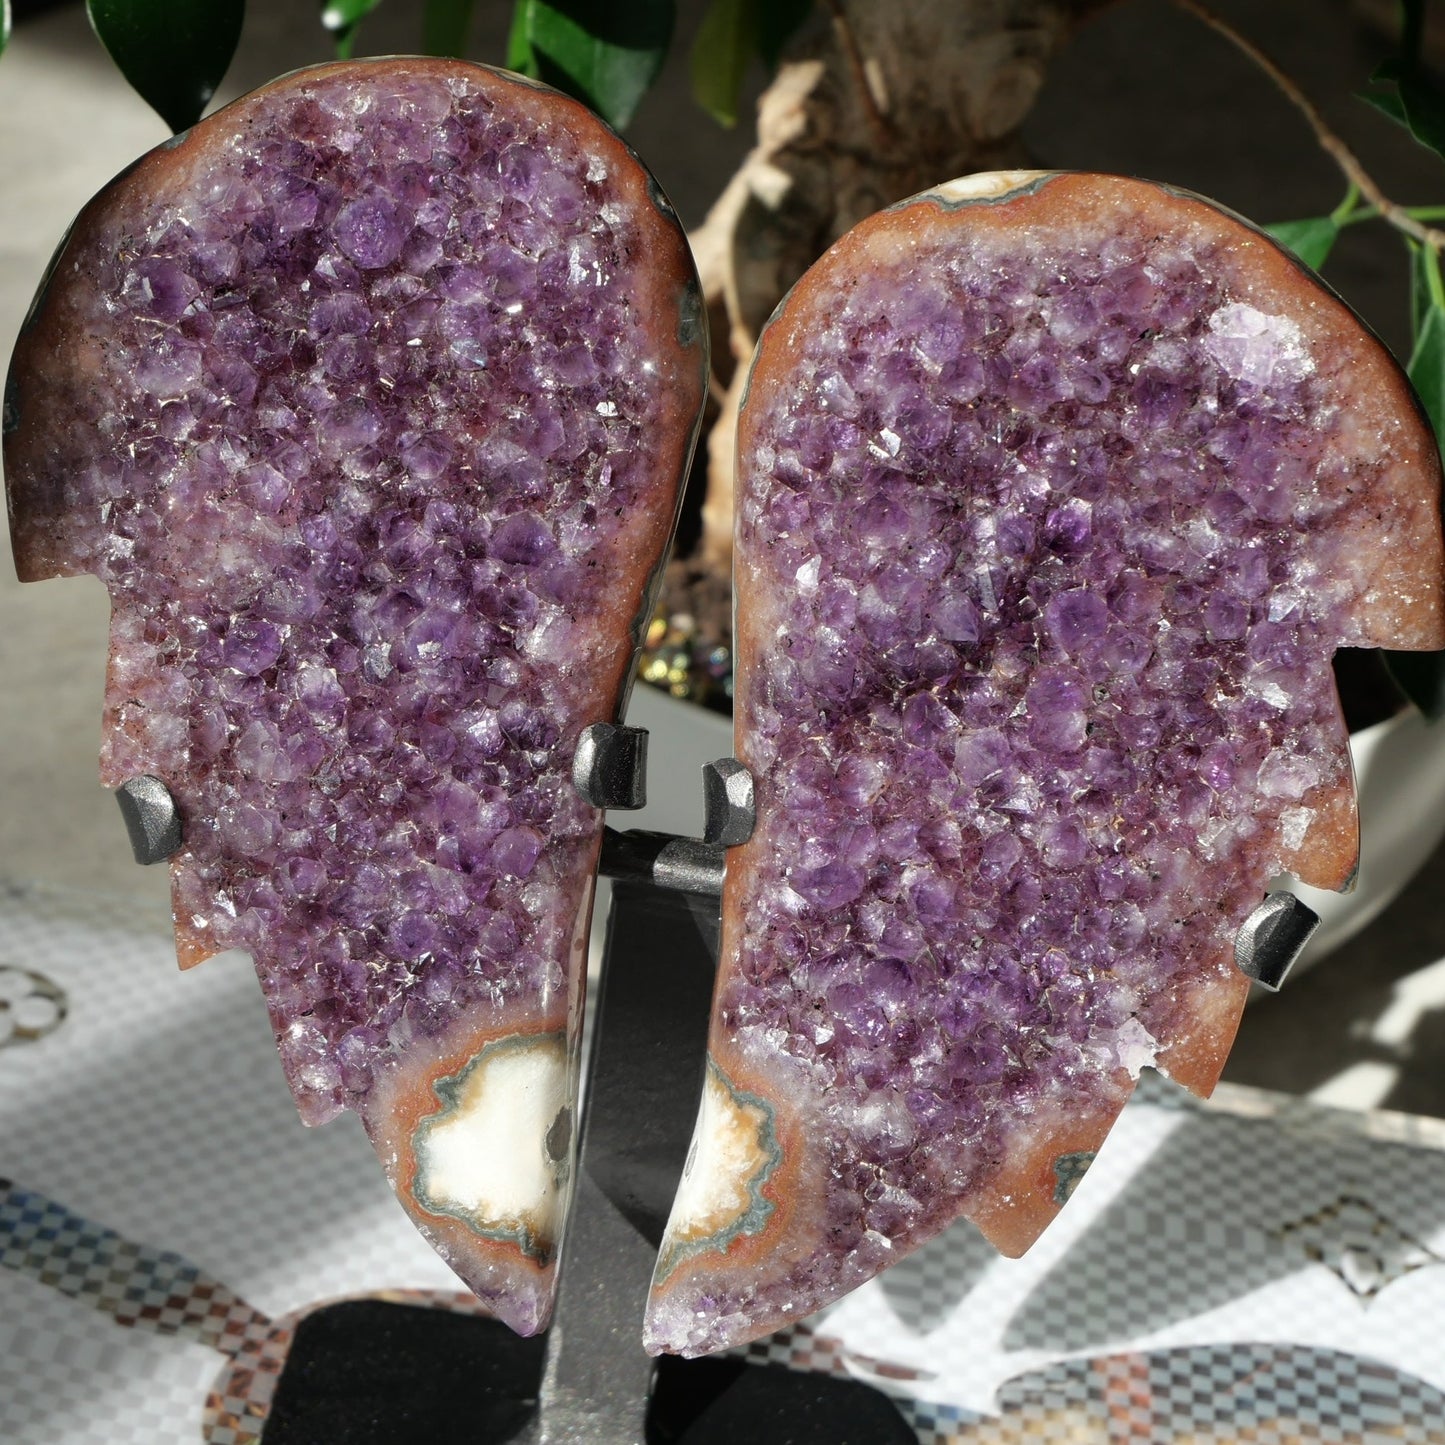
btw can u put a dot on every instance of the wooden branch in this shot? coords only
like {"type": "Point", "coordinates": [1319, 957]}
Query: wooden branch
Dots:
{"type": "Point", "coordinates": [1325, 135]}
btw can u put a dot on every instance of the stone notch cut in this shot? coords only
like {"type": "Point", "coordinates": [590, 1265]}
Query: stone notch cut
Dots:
{"type": "Point", "coordinates": [1056, 494]}
{"type": "Point", "coordinates": [369, 399]}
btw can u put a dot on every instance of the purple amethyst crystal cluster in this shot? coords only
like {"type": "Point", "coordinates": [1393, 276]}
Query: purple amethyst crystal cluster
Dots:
{"type": "Point", "coordinates": [1047, 531]}
{"type": "Point", "coordinates": [1047, 658]}
{"type": "Point", "coordinates": [361, 414]}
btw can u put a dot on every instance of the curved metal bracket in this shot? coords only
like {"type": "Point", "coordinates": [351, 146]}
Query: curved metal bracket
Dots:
{"type": "Point", "coordinates": [151, 818]}
{"type": "Point", "coordinates": [609, 768]}
{"type": "Point", "coordinates": [1273, 937]}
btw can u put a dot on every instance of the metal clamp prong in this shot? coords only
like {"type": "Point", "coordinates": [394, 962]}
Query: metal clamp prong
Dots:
{"type": "Point", "coordinates": [729, 804]}
{"type": "Point", "coordinates": [151, 818]}
{"type": "Point", "coordinates": [1273, 937]}
{"type": "Point", "coordinates": [609, 768]}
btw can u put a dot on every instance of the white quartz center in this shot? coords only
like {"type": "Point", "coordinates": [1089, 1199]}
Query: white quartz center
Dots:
{"type": "Point", "coordinates": [486, 1157]}
{"type": "Point", "coordinates": [728, 1158]}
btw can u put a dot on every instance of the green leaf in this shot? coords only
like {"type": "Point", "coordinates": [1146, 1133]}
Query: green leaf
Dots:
{"type": "Point", "coordinates": [605, 54]}
{"type": "Point", "coordinates": [725, 43]}
{"type": "Point", "coordinates": [519, 48]}
{"type": "Point", "coordinates": [1409, 95]}
{"type": "Point", "coordinates": [1427, 366]}
{"type": "Point", "coordinates": [733, 31]}
{"type": "Point", "coordinates": [777, 20]}
{"type": "Point", "coordinates": [1421, 300]}
{"type": "Point", "coordinates": [1310, 240]}
{"type": "Point", "coordinates": [1424, 108]}
{"type": "Point", "coordinates": [4, 25]}
{"type": "Point", "coordinates": [1387, 102]}
{"type": "Point", "coordinates": [444, 27]}
{"type": "Point", "coordinates": [341, 17]}
{"type": "Point", "coordinates": [173, 52]}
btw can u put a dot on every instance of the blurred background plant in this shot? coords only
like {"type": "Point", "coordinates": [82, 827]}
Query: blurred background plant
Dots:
{"type": "Point", "coordinates": [859, 103]}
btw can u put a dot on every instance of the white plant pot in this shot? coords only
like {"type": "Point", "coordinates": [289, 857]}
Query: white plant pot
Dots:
{"type": "Point", "coordinates": [1400, 779]}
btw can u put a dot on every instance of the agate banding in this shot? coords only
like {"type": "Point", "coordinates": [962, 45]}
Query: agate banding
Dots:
{"type": "Point", "coordinates": [369, 399]}
{"type": "Point", "coordinates": [1055, 495]}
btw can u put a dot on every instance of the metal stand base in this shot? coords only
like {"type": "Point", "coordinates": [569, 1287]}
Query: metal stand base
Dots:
{"type": "Point", "coordinates": [643, 1088]}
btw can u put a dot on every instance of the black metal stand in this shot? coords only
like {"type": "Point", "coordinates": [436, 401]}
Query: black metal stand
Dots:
{"type": "Point", "coordinates": [644, 1082]}
{"type": "Point", "coordinates": [589, 1382]}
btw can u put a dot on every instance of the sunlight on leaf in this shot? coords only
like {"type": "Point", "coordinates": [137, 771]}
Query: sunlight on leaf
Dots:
{"type": "Point", "coordinates": [445, 25]}
{"type": "Point", "coordinates": [1312, 240]}
{"type": "Point", "coordinates": [4, 25]}
{"type": "Point", "coordinates": [173, 52]}
{"type": "Point", "coordinates": [720, 55]}
{"type": "Point", "coordinates": [606, 55]}
{"type": "Point", "coordinates": [341, 17]}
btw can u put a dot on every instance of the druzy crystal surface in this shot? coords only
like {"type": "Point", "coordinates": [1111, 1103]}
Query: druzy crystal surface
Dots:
{"type": "Point", "coordinates": [1052, 512]}
{"type": "Point", "coordinates": [369, 400]}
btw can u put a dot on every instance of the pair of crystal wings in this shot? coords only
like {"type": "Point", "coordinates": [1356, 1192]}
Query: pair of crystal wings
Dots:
{"type": "Point", "coordinates": [370, 399]}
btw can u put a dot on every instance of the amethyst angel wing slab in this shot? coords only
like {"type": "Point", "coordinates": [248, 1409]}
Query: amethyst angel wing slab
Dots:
{"type": "Point", "coordinates": [1056, 493]}
{"type": "Point", "coordinates": [369, 400]}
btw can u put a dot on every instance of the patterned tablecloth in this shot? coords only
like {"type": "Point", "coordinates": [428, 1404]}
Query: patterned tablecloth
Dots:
{"type": "Point", "coordinates": [1256, 1269]}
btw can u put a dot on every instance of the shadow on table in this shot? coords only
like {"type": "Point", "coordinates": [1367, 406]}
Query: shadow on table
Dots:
{"type": "Point", "coordinates": [926, 1287]}
{"type": "Point", "coordinates": [1228, 1204]}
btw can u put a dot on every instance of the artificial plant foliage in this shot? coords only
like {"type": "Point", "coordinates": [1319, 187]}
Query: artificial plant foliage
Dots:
{"type": "Point", "coordinates": [173, 52]}
{"type": "Point", "coordinates": [1311, 240]}
{"type": "Point", "coordinates": [341, 17]}
{"type": "Point", "coordinates": [731, 34]}
{"type": "Point", "coordinates": [445, 24]}
{"type": "Point", "coordinates": [606, 55]}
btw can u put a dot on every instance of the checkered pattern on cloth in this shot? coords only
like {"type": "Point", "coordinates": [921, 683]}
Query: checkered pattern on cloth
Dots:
{"type": "Point", "coordinates": [158, 1108]}
{"type": "Point", "coordinates": [1229, 1205]}
{"type": "Point", "coordinates": [926, 1287]}
{"type": "Point", "coordinates": [133, 1283]}
{"type": "Point", "coordinates": [160, 1291]}
{"type": "Point", "coordinates": [1204, 1395]}
{"type": "Point", "coordinates": [70, 1376]}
